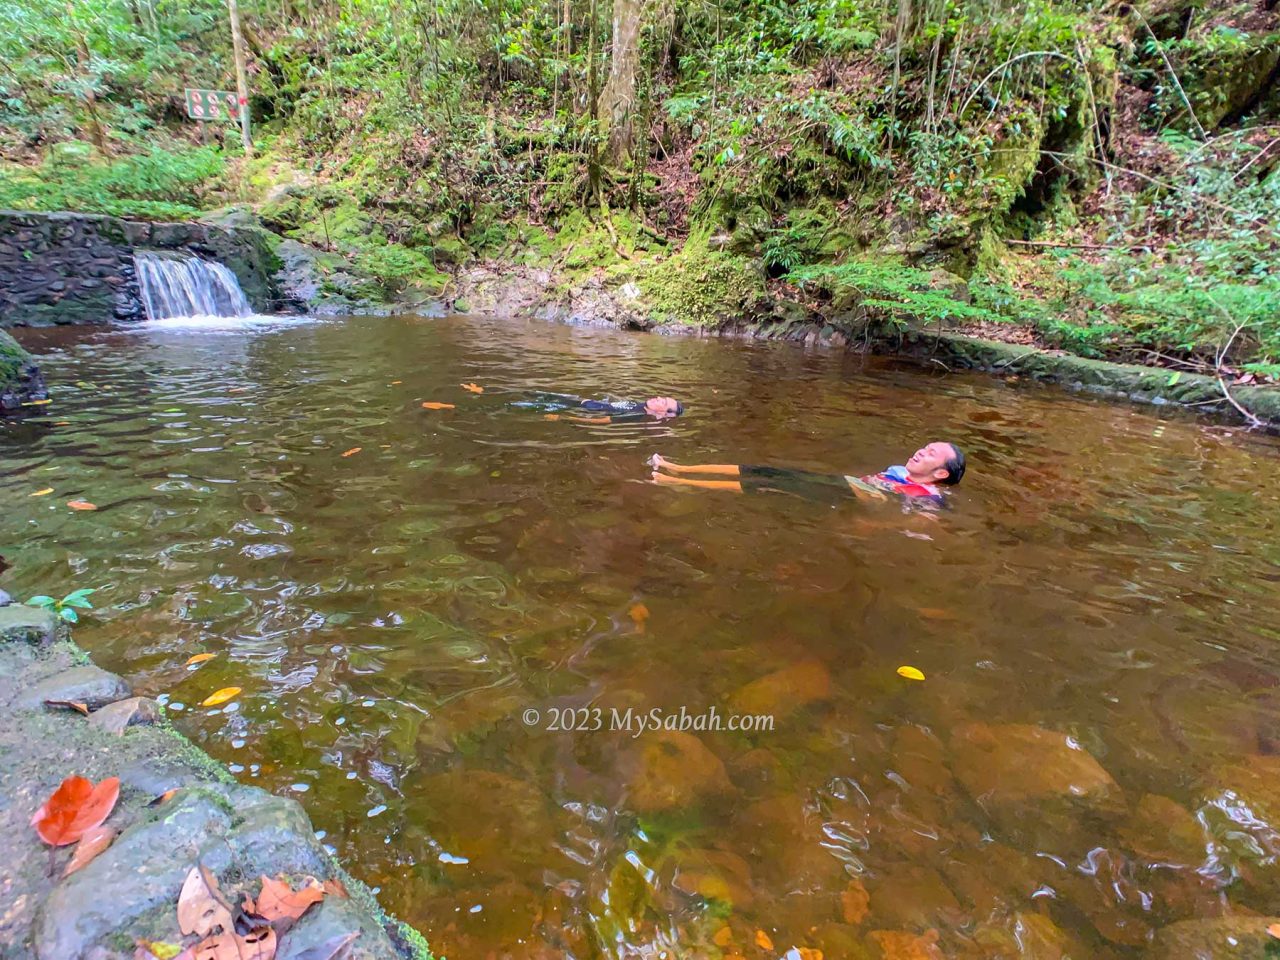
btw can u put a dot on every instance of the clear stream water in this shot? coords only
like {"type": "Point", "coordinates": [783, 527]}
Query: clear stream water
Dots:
{"type": "Point", "coordinates": [397, 618]}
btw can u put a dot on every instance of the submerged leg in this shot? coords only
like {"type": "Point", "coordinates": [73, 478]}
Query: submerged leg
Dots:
{"type": "Point", "coordinates": [715, 469]}
{"type": "Point", "coordinates": [731, 485]}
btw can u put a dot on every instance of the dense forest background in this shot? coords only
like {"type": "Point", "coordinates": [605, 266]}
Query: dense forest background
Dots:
{"type": "Point", "coordinates": [1102, 177]}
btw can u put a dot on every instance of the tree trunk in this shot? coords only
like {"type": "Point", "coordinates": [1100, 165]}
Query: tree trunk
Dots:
{"type": "Point", "coordinates": [242, 81]}
{"type": "Point", "coordinates": [617, 108]}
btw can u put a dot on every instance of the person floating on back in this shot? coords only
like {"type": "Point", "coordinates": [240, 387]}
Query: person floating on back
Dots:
{"type": "Point", "coordinates": [921, 480]}
{"type": "Point", "coordinates": [561, 406]}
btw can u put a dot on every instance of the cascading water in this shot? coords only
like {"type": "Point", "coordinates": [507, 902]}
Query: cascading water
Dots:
{"type": "Point", "coordinates": [181, 285]}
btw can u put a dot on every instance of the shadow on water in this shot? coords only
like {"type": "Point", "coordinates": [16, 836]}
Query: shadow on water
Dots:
{"type": "Point", "coordinates": [1091, 757]}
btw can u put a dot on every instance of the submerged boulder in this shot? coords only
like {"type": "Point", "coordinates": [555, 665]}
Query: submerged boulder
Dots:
{"type": "Point", "coordinates": [1237, 938]}
{"type": "Point", "coordinates": [20, 379]}
{"type": "Point", "coordinates": [675, 771]}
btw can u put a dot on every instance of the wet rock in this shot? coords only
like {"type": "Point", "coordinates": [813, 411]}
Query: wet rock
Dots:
{"type": "Point", "coordinates": [22, 624]}
{"type": "Point", "coordinates": [1242, 809]}
{"type": "Point", "coordinates": [266, 839]}
{"type": "Point", "coordinates": [914, 897]}
{"type": "Point", "coordinates": [1227, 938]}
{"type": "Point", "coordinates": [335, 917]}
{"type": "Point", "coordinates": [783, 692]}
{"type": "Point", "coordinates": [1163, 831]}
{"type": "Point", "coordinates": [900, 945]}
{"type": "Point", "coordinates": [714, 875]}
{"type": "Point", "coordinates": [90, 685]}
{"type": "Point", "coordinates": [1026, 935]}
{"type": "Point", "coordinates": [5, 599]}
{"type": "Point", "coordinates": [675, 771]}
{"type": "Point", "coordinates": [135, 711]}
{"type": "Point", "coordinates": [1004, 767]}
{"type": "Point", "coordinates": [920, 759]}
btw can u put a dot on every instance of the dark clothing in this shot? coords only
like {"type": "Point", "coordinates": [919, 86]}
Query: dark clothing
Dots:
{"type": "Point", "coordinates": [833, 488]}
{"type": "Point", "coordinates": [618, 411]}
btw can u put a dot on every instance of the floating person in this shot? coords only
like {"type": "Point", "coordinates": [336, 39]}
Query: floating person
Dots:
{"type": "Point", "coordinates": [920, 480]}
{"type": "Point", "coordinates": [562, 406]}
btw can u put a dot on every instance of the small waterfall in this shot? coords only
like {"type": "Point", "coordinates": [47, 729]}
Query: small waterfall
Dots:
{"type": "Point", "coordinates": [181, 285]}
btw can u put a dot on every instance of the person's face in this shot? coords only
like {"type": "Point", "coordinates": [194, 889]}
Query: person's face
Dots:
{"type": "Point", "coordinates": [931, 460]}
{"type": "Point", "coordinates": [660, 407]}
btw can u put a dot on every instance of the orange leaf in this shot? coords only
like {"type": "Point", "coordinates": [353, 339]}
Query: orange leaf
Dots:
{"type": "Point", "coordinates": [396, 383]}
{"type": "Point", "coordinates": [42, 493]}
{"type": "Point", "coordinates": [900, 945]}
{"type": "Point", "coordinates": [472, 387]}
{"type": "Point", "coordinates": [723, 936]}
{"type": "Point", "coordinates": [91, 844]}
{"type": "Point", "coordinates": [70, 705]}
{"type": "Point", "coordinates": [81, 505]}
{"type": "Point", "coordinates": [336, 888]}
{"type": "Point", "coordinates": [278, 901]}
{"type": "Point", "coordinates": [763, 941]}
{"type": "Point", "coordinates": [75, 808]}
{"type": "Point", "coordinates": [854, 902]}
{"type": "Point", "coordinates": [551, 416]}
{"type": "Point", "coordinates": [220, 696]}
{"type": "Point", "coordinates": [163, 797]}
{"type": "Point", "coordinates": [1274, 930]}
{"type": "Point", "coordinates": [199, 658]}
{"type": "Point", "coordinates": [434, 405]}
{"type": "Point", "coordinates": [353, 451]}
{"type": "Point", "coordinates": [639, 613]}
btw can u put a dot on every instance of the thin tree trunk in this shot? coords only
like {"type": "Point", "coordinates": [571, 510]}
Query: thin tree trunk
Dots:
{"type": "Point", "coordinates": [616, 110]}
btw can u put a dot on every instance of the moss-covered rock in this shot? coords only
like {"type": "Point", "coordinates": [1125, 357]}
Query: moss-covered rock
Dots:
{"type": "Point", "coordinates": [699, 286]}
{"type": "Point", "coordinates": [20, 379]}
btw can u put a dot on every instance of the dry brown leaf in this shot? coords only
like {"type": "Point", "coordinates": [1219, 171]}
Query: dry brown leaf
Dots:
{"type": "Point", "coordinates": [255, 945]}
{"type": "Point", "coordinates": [91, 844]}
{"type": "Point", "coordinates": [353, 451]}
{"type": "Point", "coordinates": [70, 705]}
{"type": "Point", "coordinates": [278, 901]}
{"type": "Point", "coordinates": [854, 902]}
{"type": "Point", "coordinates": [336, 888]}
{"type": "Point", "coordinates": [115, 717]}
{"type": "Point", "coordinates": [200, 911]}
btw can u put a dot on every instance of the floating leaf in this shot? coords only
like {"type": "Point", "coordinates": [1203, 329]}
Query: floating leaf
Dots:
{"type": "Point", "coordinates": [220, 696]}
{"type": "Point", "coordinates": [42, 493]}
{"type": "Point", "coordinates": [201, 909]}
{"type": "Point", "coordinates": [35, 403]}
{"type": "Point", "coordinates": [395, 383]}
{"type": "Point", "coordinates": [763, 940]}
{"type": "Point", "coordinates": [854, 902]}
{"type": "Point", "coordinates": [353, 451]}
{"type": "Point", "coordinates": [472, 387]}
{"type": "Point", "coordinates": [70, 705]}
{"type": "Point", "coordinates": [199, 658]}
{"type": "Point", "coordinates": [639, 614]}
{"type": "Point", "coordinates": [329, 949]}
{"type": "Point", "coordinates": [279, 901]}
{"type": "Point", "coordinates": [81, 505]}
{"type": "Point", "coordinates": [91, 844]}
{"type": "Point", "coordinates": [551, 416]}
{"type": "Point", "coordinates": [910, 673]}
{"type": "Point", "coordinates": [75, 808]}
{"type": "Point", "coordinates": [723, 937]}
{"type": "Point", "coordinates": [435, 405]}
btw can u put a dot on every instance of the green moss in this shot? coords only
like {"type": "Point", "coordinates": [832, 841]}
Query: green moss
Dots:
{"type": "Point", "coordinates": [699, 286]}
{"type": "Point", "coordinates": [12, 357]}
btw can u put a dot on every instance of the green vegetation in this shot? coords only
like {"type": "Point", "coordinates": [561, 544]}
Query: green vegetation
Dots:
{"type": "Point", "coordinates": [1103, 176]}
{"type": "Point", "coordinates": [65, 609]}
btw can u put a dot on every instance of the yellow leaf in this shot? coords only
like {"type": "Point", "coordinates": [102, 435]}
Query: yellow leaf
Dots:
{"type": "Point", "coordinates": [395, 383]}
{"type": "Point", "coordinates": [220, 696]}
{"type": "Point", "coordinates": [910, 673]}
{"type": "Point", "coordinates": [763, 941]}
{"type": "Point", "coordinates": [159, 949]}
{"type": "Point", "coordinates": [200, 658]}
{"type": "Point", "coordinates": [35, 403]}
{"type": "Point", "coordinates": [1274, 930]}
{"type": "Point", "coordinates": [353, 451]}
{"type": "Point", "coordinates": [43, 493]}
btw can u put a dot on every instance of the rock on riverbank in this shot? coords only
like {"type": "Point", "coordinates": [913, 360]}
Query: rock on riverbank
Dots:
{"type": "Point", "coordinates": [20, 378]}
{"type": "Point", "coordinates": [131, 890]}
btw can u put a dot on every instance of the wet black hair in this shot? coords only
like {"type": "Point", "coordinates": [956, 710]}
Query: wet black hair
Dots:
{"type": "Point", "coordinates": [679, 408]}
{"type": "Point", "coordinates": [954, 466]}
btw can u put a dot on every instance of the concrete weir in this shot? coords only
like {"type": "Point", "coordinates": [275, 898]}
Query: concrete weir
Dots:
{"type": "Point", "coordinates": [130, 891]}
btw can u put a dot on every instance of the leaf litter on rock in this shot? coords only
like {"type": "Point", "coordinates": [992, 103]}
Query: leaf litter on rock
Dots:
{"type": "Point", "coordinates": [75, 808]}
{"type": "Point", "coordinates": [75, 705]}
{"type": "Point", "coordinates": [91, 844]}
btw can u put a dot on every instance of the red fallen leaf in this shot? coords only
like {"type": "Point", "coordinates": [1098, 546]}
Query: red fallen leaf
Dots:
{"type": "Point", "coordinates": [75, 808]}
{"type": "Point", "coordinates": [70, 705]}
{"type": "Point", "coordinates": [91, 844]}
{"type": "Point", "coordinates": [278, 901]}
{"type": "Point", "coordinates": [81, 505]}
{"type": "Point", "coordinates": [353, 451]}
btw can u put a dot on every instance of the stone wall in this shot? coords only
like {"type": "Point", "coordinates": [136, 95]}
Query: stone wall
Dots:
{"type": "Point", "coordinates": [62, 268]}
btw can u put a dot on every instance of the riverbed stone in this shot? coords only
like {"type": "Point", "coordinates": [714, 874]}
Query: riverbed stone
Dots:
{"type": "Point", "coordinates": [674, 770]}
{"type": "Point", "coordinates": [784, 691]}
{"type": "Point", "coordinates": [1004, 766]}
{"type": "Point", "coordinates": [88, 684]}
{"type": "Point", "coordinates": [23, 624]}
{"type": "Point", "coordinates": [1226, 938]}
{"type": "Point", "coordinates": [267, 835]}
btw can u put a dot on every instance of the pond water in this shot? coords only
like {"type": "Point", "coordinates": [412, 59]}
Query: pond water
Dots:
{"type": "Point", "coordinates": [408, 622]}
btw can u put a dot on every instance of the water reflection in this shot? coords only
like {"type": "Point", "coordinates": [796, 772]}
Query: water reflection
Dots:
{"type": "Point", "coordinates": [1092, 756]}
